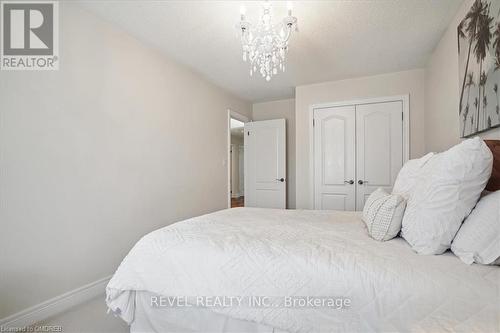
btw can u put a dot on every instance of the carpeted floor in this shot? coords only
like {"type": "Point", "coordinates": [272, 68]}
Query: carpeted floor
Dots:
{"type": "Point", "coordinates": [89, 317]}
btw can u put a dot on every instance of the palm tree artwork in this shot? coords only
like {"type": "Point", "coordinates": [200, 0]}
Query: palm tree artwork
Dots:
{"type": "Point", "coordinates": [468, 84]}
{"type": "Point", "coordinates": [496, 46]}
{"type": "Point", "coordinates": [497, 107]}
{"type": "Point", "coordinates": [478, 37]}
{"type": "Point", "coordinates": [470, 24]}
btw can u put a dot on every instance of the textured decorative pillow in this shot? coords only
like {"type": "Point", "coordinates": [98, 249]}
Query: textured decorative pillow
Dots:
{"type": "Point", "coordinates": [445, 195]}
{"type": "Point", "coordinates": [478, 239]}
{"type": "Point", "coordinates": [383, 214]}
{"type": "Point", "coordinates": [409, 176]}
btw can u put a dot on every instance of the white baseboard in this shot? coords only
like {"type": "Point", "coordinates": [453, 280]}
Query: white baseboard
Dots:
{"type": "Point", "coordinates": [55, 305]}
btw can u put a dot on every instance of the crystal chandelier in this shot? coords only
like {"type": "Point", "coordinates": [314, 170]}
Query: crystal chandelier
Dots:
{"type": "Point", "coordinates": [266, 44]}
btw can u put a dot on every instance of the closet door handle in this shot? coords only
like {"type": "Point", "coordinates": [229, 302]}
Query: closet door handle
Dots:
{"type": "Point", "coordinates": [361, 182]}
{"type": "Point", "coordinates": [350, 182]}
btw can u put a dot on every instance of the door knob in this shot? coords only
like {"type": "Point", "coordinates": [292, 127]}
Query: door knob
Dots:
{"type": "Point", "coordinates": [280, 179]}
{"type": "Point", "coordinates": [350, 182]}
{"type": "Point", "coordinates": [361, 182]}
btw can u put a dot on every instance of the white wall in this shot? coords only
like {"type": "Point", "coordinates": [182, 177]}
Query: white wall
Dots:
{"type": "Point", "coordinates": [442, 91]}
{"type": "Point", "coordinates": [282, 109]}
{"type": "Point", "coordinates": [400, 83]}
{"type": "Point", "coordinates": [99, 153]}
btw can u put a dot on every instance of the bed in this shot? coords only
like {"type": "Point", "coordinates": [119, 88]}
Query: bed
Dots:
{"type": "Point", "coordinates": [296, 271]}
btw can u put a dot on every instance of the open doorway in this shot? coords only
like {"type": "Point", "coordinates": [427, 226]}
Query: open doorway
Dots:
{"type": "Point", "coordinates": [237, 164]}
{"type": "Point", "coordinates": [236, 159]}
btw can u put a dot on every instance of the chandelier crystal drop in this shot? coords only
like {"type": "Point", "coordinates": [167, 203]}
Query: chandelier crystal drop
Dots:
{"type": "Point", "coordinates": [266, 44]}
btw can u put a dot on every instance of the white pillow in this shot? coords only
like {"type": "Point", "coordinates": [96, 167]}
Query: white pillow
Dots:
{"type": "Point", "coordinates": [383, 214]}
{"type": "Point", "coordinates": [478, 239]}
{"type": "Point", "coordinates": [409, 176]}
{"type": "Point", "coordinates": [445, 195]}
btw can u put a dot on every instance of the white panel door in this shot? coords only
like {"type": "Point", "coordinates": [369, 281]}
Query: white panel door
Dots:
{"type": "Point", "coordinates": [334, 158]}
{"type": "Point", "coordinates": [265, 164]}
{"type": "Point", "coordinates": [379, 137]}
{"type": "Point", "coordinates": [241, 164]}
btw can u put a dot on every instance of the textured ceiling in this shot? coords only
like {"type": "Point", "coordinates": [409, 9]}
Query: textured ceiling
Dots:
{"type": "Point", "coordinates": [336, 39]}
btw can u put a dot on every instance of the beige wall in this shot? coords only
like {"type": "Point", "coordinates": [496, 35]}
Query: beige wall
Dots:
{"type": "Point", "coordinates": [282, 109]}
{"type": "Point", "coordinates": [99, 153]}
{"type": "Point", "coordinates": [407, 82]}
{"type": "Point", "coordinates": [442, 89]}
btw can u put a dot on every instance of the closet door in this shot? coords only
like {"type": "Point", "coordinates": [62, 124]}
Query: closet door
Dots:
{"type": "Point", "coordinates": [379, 137]}
{"type": "Point", "coordinates": [334, 158]}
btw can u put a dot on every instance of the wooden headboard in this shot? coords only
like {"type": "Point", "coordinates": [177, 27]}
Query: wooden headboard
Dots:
{"type": "Point", "coordinates": [494, 183]}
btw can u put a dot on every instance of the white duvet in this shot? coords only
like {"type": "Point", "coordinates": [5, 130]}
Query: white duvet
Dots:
{"type": "Point", "coordinates": [265, 252]}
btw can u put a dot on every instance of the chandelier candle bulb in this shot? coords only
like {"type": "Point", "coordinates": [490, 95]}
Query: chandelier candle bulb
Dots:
{"type": "Point", "coordinates": [243, 11]}
{"type": "Point", "coordinates": [265, 44]}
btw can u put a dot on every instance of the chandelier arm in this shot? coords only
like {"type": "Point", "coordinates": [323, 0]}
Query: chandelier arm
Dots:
{"type": "Point", "coordinates": [288, 33]}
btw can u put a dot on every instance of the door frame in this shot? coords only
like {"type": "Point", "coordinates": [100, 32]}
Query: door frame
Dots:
{"type": "Point", "coordinates": [405, 99]}
{"type": "Point", "coordinates": [244, 119]}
